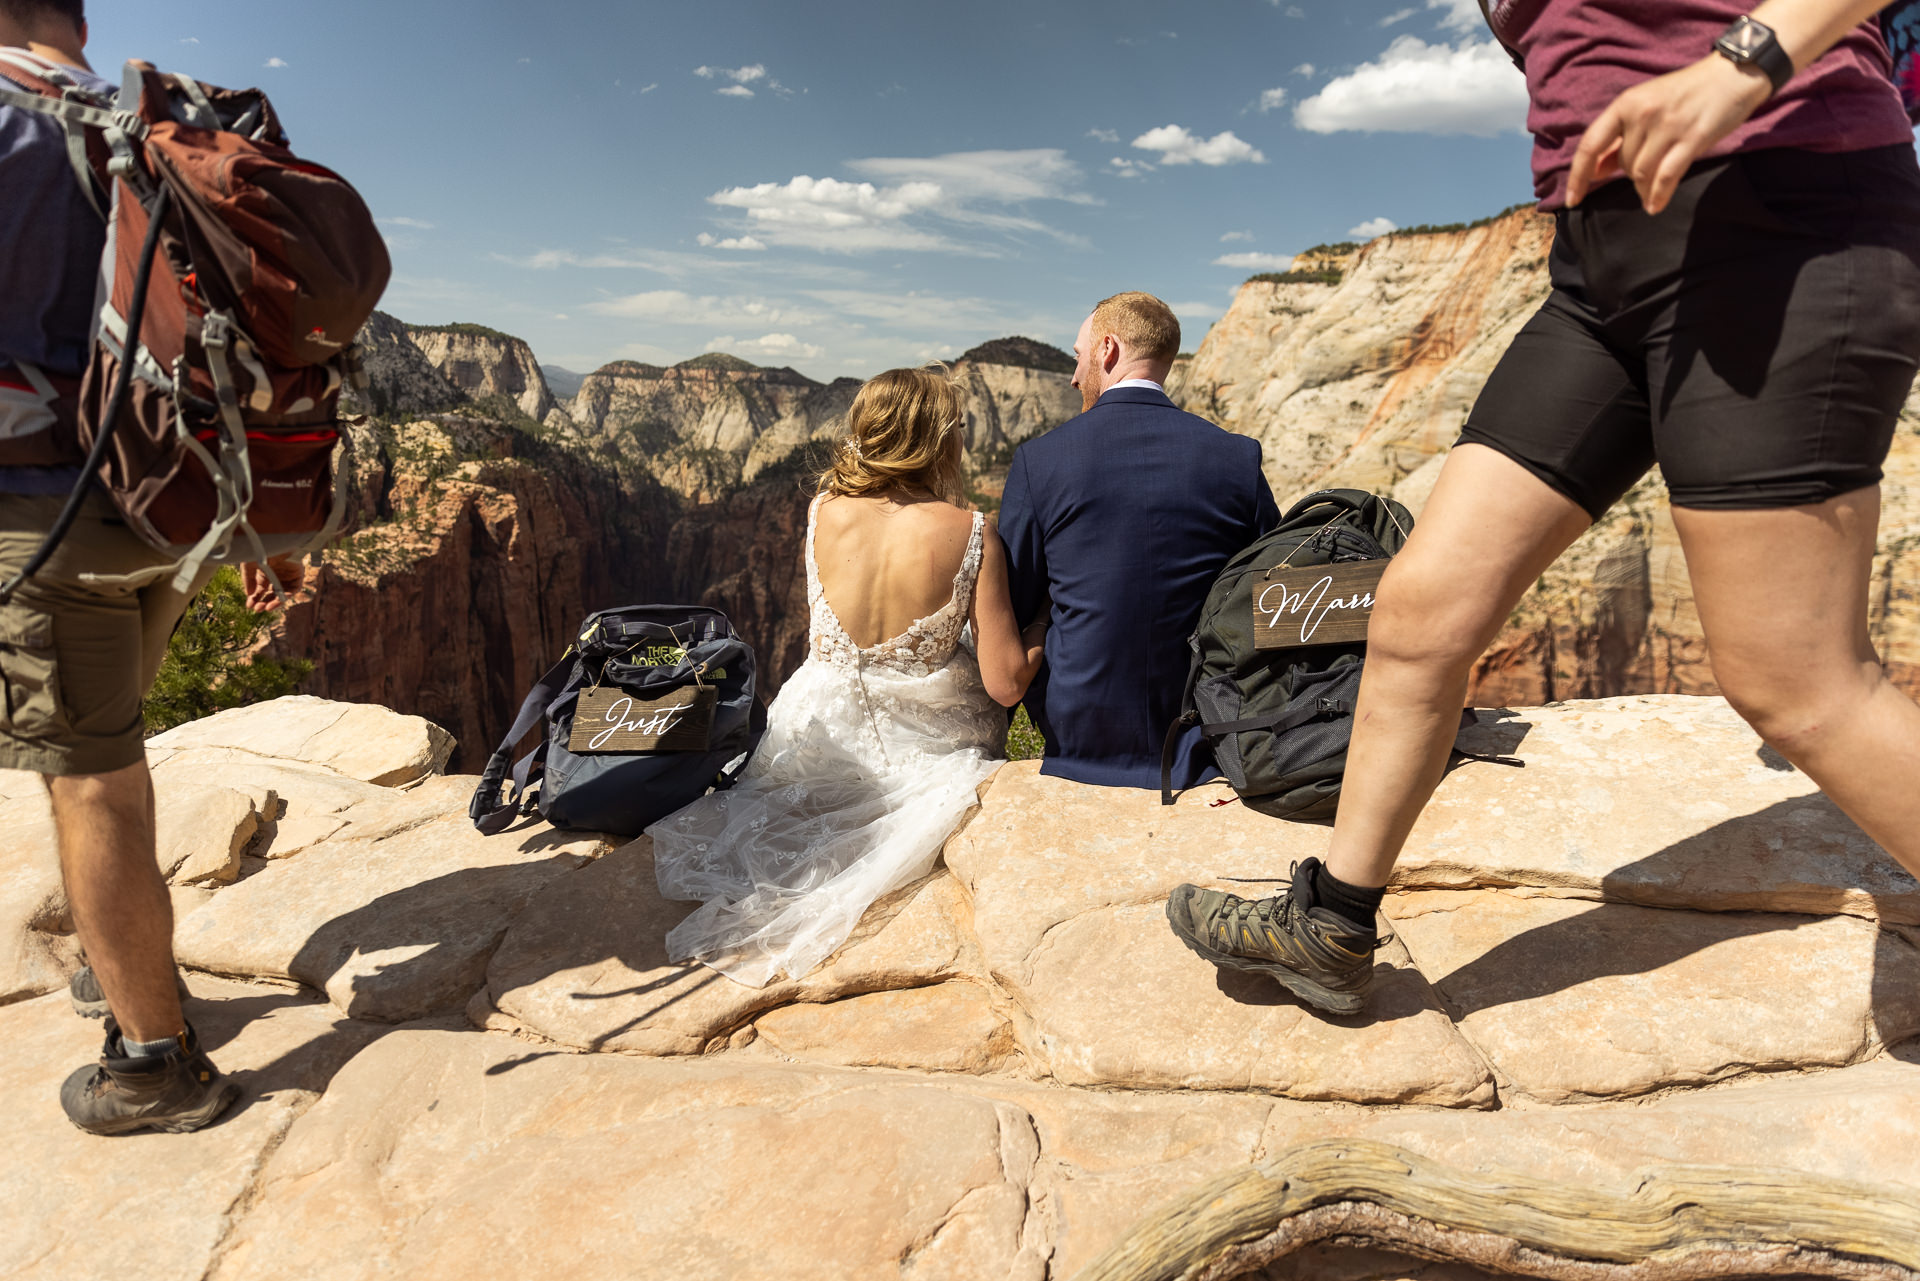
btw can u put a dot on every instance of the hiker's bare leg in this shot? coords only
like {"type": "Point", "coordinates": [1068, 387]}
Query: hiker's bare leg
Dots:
{"type": "Point", "coordinates": [1783, 599]}
{"type": "Point", "coordinates": [119, 900]}
{"type": "Point", "coordinates": [1490, 529]}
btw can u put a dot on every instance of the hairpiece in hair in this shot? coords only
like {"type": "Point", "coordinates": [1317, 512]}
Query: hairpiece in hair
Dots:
{"type": "Point", "coordinates": [853, 443]}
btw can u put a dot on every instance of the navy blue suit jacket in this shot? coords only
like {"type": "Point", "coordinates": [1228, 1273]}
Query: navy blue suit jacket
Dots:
{"type": "Point", "coordinates": [1122, 518]}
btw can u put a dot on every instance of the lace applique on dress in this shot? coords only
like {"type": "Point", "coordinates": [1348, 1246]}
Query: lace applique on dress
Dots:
{"type": "Point", "coordinates": [926, 646]}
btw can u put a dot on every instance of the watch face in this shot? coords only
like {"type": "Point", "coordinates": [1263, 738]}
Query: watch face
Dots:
{"type": "Point", "coordinates": [1745, 37]}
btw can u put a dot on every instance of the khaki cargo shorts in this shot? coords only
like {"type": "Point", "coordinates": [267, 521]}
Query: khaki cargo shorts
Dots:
{"type": "Point", "coordinates": [76, 660]}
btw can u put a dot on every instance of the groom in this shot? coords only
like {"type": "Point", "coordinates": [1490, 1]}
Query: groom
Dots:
{"type": "Point", "coordinates": [1115, 525]}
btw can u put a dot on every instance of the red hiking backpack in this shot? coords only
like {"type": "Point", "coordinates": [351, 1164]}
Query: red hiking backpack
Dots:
{"type": "Point", "coordinates": [235, 278]}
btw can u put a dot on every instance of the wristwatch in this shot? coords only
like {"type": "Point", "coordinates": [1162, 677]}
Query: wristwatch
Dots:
{"type": "Point", "coordinates": [1747, 43]}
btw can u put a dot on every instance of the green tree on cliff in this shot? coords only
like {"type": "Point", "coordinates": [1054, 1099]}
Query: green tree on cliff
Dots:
{"type": "Point", "coordinates": [208, 669]}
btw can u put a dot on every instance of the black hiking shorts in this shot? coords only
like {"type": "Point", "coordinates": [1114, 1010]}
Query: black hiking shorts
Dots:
{"type": "Point", "coordinates": [1757, 338]}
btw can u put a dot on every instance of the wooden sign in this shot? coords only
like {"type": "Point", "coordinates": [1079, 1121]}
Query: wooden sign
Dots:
{"type": "Point", "coordinates": [1317, 605]}
{"type": "Point", "coordinates": [610, 720]}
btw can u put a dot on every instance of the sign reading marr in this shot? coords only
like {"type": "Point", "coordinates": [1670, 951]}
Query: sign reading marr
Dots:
{"type": "Point", "coordinates": [1319, 605]}
{"type": "Point", "coordinates": [607, 720]}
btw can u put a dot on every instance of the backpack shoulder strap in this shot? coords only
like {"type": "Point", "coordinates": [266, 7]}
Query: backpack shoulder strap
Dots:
{"type": "Point", "coordinates": [33, 84]}
{"type": "Point", "coordinates": [486, 810]}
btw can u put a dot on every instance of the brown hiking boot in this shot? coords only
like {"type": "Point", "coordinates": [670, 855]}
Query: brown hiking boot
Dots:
{"type": "Point", "coordinates": [1317, 955]}
{"type": "Point", "coordinates": [175, 1092]}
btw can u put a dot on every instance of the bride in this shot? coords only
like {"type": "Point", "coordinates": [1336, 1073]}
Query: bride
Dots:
{"type": "Point", "coordinates": [875, 745]}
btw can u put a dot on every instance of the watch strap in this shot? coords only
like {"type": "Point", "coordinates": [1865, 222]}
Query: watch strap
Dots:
{"type": "Point", "coordinates": [1736, 44]}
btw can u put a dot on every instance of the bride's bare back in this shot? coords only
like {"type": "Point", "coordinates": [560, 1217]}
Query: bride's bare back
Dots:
{"type": "Point", "coordinates": [886, 562]}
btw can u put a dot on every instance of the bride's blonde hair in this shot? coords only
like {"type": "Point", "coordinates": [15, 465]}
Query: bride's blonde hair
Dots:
{"type": "Point", "coordinates": [903, 432]}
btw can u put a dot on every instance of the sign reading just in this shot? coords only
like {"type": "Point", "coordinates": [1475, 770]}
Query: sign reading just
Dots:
{"type": "Point", "coordinates": [608, 720]}
{"type": "Point", "coordinates": [1318, 605]}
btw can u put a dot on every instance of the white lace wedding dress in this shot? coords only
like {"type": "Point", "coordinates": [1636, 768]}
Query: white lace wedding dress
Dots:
{"type": "Point", "coordinates": [870, 759]}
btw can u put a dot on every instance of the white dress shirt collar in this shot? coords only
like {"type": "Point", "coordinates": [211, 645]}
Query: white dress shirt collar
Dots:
{"type": "Point", "coordinates": [1148, 383]}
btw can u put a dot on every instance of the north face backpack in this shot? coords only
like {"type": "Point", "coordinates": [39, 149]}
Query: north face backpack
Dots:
{"type": "Point", "coordinates": [641, 717]}
{"type": "Point", "coordinates": [235, 278]}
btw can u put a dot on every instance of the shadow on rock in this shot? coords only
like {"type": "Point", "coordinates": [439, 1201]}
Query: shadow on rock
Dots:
{"type": "Point", "coordinates": [423, 948]}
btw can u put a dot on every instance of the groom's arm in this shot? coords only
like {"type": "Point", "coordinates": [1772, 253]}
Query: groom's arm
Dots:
{"type": "Point", "coordinates": [1020, 530]}
{"type": "Point", "coordinates": [1266, 512]}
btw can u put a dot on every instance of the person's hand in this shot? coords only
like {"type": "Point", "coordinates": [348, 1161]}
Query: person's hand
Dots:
{"type": "Point", "coordinates": [1654, 131]}
{"type": "Point", "coordinates": [291, 574]}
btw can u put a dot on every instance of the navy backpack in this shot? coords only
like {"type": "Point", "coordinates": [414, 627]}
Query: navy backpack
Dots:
{"type": "Point", "coordinates": [631, 683]}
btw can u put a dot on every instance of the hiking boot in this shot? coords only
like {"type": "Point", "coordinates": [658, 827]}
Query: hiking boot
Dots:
{"type": "Point", "coordinates": [174, 1092]}
{"type": "Point", "coordinates": [89, 1002]}
{"type": "Point", "coordinates": [1320, 957]}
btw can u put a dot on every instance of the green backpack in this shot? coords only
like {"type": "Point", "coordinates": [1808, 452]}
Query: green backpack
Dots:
{"type": "Point", "coordinates": [1279, 720]}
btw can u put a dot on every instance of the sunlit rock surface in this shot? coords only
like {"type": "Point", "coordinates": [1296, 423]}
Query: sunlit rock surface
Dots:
{"type": "Point", "coordinates": [469, 1056]}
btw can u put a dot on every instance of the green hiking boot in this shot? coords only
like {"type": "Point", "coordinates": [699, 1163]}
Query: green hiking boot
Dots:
{"type": "Point", "coordinates": [174, 1092]}
{"type": "Point", "coordinates": [1312, 952]}
{"type": "Point", "coordinates": [89, 1002]}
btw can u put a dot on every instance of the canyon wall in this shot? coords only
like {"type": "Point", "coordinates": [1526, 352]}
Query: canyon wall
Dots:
{"type": "Point", "coordinates": [1361, 371]}
{"type": "Point", "coordinates": [484, 363]}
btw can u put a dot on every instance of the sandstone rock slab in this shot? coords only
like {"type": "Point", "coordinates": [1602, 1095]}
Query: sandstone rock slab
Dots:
{"type": "Point", "coordinates": [1573, 1000]}
{"type": "Point", "coordinates": [201, 831]}
{"type": "Point", "coordinates": [36, 955]}
{"type": "Point", "coordinates": [391, 929]}
{"type": "Point", "coordinates": [1117, 1001]}
{"type": "Point", "coordinates": [1860, 1124]}
{"type": "Point", "coordinates": [951, 1027]}
{"type": "Point", "coordinates": [586, 963]}
{"type": "Point", "coordinates": [1069, 885]}
{"type": "Point", "coordinates": [154, 1205]}
{"type": "Point", "coordinates": [1045, 850]}
{"type": "Point", "coordinates": [1108, 1158]}
{"type": "Point", "coordinates": [451, 1154]}
{"type": "Point", "coordinates": [356, 740]}
{"type": "Point", "coordinates": [1665, 800]}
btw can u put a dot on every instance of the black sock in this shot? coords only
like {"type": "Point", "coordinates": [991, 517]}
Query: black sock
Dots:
{"type": "Point", "coordinates": [1352, 903]}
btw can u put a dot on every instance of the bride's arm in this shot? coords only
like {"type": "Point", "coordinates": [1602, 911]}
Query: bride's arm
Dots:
{"type": "Point", "coordinates": [1009, 658]}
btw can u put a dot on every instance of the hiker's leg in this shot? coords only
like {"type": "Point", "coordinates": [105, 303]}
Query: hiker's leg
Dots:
{"type": "Point", "coordinates": [1782, 595]}
{"type": "Point", "coordinates": [1489, 531]}
{"type": "Point", "coordinates": [120, 905]}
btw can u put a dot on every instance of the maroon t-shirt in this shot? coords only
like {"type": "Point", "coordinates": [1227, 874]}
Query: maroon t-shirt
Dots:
{"type": "Point", "coordinates": [1581, 54]}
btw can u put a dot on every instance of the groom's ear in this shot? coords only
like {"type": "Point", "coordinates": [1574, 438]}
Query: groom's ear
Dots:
{"type": "Point", "coordinates": [1109, 352]}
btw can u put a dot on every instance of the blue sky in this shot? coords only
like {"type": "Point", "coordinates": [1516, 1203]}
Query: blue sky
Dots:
{"type": "Point", "coordinates": [844, 186]}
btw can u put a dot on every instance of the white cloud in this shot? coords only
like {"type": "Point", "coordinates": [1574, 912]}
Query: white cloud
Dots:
{"type": "Point", "coordinates": [1415, 87]}
{"type": "Point", "coordinates": [414, 223]}
{"type": "Point", "coordinates": [1255, 262]}
{"type": "Point", "coordinates": [1373, 227]}
{"type": "Point", "coordinates": [190, 40]}
{"type": "Point", "coordinates": [739, 75]}
{"type": "Point", "coordinates": [1232, 236]}
{"type": "Point", "coordinates": [650, 88]}
{"type": "Point", "coordinates": [677, 307]}
{"type": "Point", "coordinates": [1397, 16]}
{"type": "Point", "coordinates": [1293, 10]}
{"type": "Point", "coordinates": [1179, 147]}
{"type": "Point", "coordinates": [960, 188]}
{"type": "Point", "coordinates": [1121, 167]}
{"type": "Point", "coordinates": [735, 91]}
{"type": "Point", "coordinates": [1103, 135]}
{"type": "Point", "coordinates": [826, 213]}
{"type": "Point", "coordinates": [276, 62]}
{"type": "Point", "coordinates": [1461, 15]}
{"type": "Point", "coordinates": [777, 346]}
{"type": "Point", "coordinates": [707, 240]}
{"type": "Point", "coordinates": [1304, 69]}
{"type": "Point", "coordinates": [1270, 99]}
